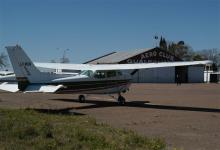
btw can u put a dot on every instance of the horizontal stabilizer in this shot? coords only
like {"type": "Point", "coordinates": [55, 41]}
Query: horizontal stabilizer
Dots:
{"type": "Point", "coordinates": [42, 88]}
{"type": "Point", "coordinates": [10, 87]}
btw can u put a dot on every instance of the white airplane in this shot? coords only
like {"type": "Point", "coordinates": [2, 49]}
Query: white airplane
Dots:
{"type": "Point", "coordinates": [95, 79]}
{"type": "Point", "coordinates": [5, 73]}
{"type": "Point", "coordinates": [7, 76]}
{"type": "Point", "coordinates": [8, 81]}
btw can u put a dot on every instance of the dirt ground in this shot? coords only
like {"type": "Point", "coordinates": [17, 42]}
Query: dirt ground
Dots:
{"type": "Point", "coordinates": [186, 116]}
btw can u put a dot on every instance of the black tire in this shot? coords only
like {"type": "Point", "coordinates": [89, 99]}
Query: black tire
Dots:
{"type": "Point", "coordinates": [82, 99]}
{"type": "Point", "coordinates": [121, 100]}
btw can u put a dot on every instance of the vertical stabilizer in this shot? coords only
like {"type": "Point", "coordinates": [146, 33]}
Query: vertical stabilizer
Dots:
{"type": "Point", "coordinates": [25, 70]}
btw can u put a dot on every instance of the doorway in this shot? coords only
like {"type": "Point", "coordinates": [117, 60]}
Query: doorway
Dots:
{"type": "Point", "coordinates": [181, 74]}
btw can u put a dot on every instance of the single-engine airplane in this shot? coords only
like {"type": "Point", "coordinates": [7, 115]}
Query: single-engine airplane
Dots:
{"type": "Point", "coordinates": [94, 79]}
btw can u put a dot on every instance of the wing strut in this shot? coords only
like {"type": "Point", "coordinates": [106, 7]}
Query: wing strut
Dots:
{"type": "Point", "coordinates": [134, 72]}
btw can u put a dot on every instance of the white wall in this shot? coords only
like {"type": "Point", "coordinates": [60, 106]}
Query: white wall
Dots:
{"type": "Point", "coordinates": [207, 76]}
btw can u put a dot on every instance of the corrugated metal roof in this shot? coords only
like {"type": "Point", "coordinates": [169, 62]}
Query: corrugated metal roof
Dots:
{"type": "Point", "coordinates": [117, 57]}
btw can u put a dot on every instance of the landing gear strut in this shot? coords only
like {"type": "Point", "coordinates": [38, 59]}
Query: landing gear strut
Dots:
{"type": "Point", "coordinates": [121, 99]}
{"type": "Point", "coordinates": [82, 99]}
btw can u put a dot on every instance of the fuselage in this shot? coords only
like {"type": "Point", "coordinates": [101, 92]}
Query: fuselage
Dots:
{"type": "Point", "coordinates": [94, 82]}
{"type": "Point", "coordinates": [95, 87]}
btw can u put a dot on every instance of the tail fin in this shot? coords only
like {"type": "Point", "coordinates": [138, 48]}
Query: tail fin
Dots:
{"type": "Point", "coordinates": [25, 70]}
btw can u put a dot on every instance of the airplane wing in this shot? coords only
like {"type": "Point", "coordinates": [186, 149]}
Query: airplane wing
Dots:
{"type": "Point", "coordinates": [9, 87]}
{"type": "Point", "coordinates": [42, 88]}
{"type": "Point", "coordinates": [13, 87]}
{"type": "Point", "coordinates": [8, 78]}
{"type": "Point", "coordinates": [119, 66]}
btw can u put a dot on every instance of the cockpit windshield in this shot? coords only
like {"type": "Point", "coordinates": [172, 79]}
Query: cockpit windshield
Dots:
{"type": "Point", "coordinates": [88, 73]}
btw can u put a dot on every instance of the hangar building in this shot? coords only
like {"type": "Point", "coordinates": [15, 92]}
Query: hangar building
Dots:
{"type": "Point", "coordinates": [188, 74]}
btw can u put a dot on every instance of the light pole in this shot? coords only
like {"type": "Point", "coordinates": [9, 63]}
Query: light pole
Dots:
{"type": "Point", "coordinates": [64, 55]}
{"type": "Point", "coordinates": [156, 40]}
{"type": "Point", "coordinates": [64, 59]}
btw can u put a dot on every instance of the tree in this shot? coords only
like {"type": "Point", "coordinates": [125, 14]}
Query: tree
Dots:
{"type": "Point", "coordinates": [198, 57]}
{"type": "Point", "coordinates": [163, 43]}
{"type": "Point", "coordinates": [180, 50]}
{"type": "Point", "coordinates": [211, 54]}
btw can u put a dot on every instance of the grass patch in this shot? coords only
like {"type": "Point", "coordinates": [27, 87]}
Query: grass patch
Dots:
{"type": "Point", "coordinates": [29, 129]}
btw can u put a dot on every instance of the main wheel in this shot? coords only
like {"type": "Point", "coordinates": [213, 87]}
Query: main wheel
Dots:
{"type": "Point", "coordinates": [82, 99]}
{"type": "Point", "coordinates": [121, 100]}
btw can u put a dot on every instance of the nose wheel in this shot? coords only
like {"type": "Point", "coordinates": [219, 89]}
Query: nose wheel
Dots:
{"type": "Point", "coordinates": [121, 100]}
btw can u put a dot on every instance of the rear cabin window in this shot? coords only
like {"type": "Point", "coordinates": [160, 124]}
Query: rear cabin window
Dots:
{"type": "Point", "coordinates": [111, 74]}
{"type": "Point", "coordinates": [119, 73]}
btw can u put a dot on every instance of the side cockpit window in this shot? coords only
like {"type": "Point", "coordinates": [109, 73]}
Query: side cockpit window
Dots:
{"type": "Point", "coordinates": [100, 74]}
{"type": "Point", "coordinates": [107, 74]}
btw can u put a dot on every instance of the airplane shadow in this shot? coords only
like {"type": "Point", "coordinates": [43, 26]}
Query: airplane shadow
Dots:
{"type": "Point", "coordinates": [64, 111]}
{"type": "Point", "coordinates": [139, 104]}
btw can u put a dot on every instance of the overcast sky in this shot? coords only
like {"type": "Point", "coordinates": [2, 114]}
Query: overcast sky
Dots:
{"type": "Point", "coordinates": [90, 28]}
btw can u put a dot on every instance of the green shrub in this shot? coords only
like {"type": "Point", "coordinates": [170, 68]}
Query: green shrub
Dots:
{"type": "Point", "coordinates": [28, 129]}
